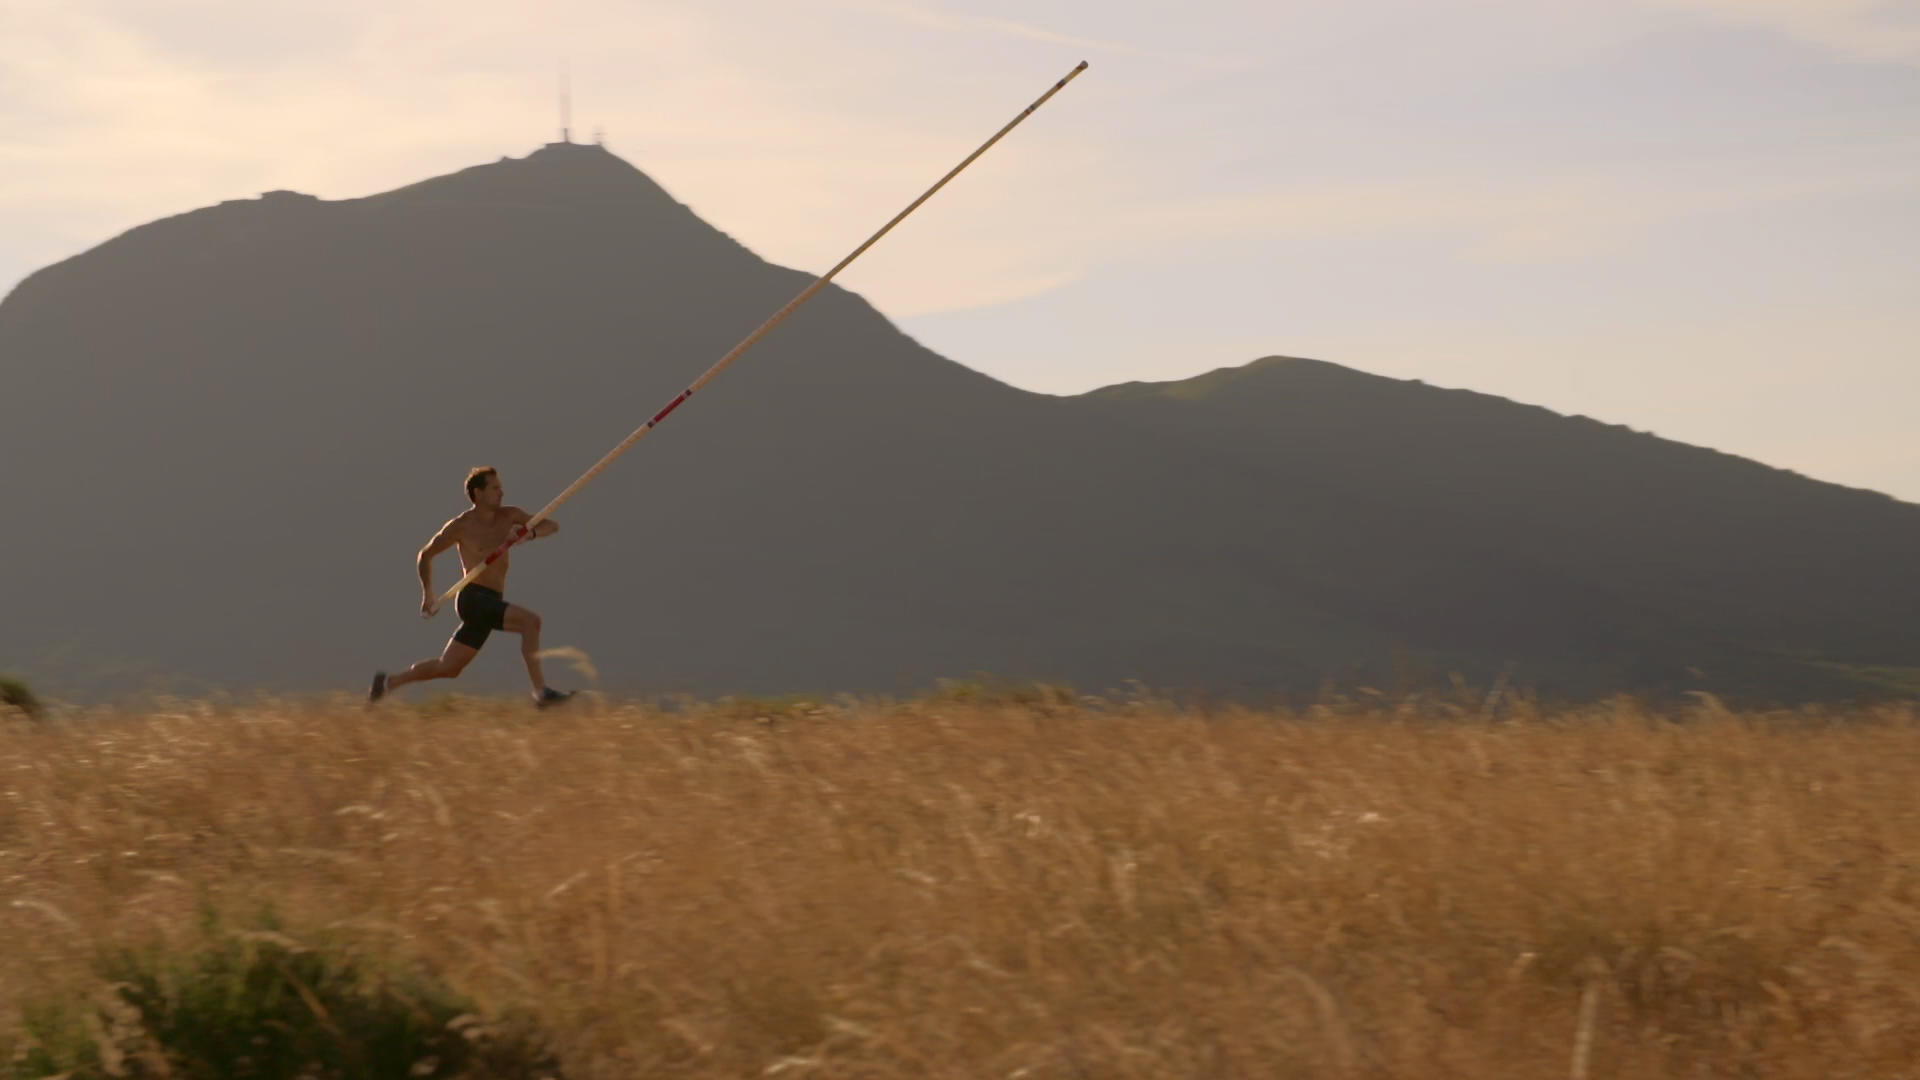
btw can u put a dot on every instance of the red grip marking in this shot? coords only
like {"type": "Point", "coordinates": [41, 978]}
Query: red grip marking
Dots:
{"type": "Point", "coordinates": [671, 405]}
{"type": "Point", "coordinates": [510, 541]}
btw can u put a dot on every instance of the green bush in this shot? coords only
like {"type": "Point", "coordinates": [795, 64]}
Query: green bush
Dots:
{"type": "Point", "coordinates": [15, 693]}
{"type": "Point", "coordinates": [258, 1005]}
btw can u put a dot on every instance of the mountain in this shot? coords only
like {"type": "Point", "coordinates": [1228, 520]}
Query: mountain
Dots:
{"type": "Point", "coordinates": [228, 431]}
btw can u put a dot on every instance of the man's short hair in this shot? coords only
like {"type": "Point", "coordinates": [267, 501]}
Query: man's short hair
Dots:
{"type": "Point", "coordinates": [477, 479]}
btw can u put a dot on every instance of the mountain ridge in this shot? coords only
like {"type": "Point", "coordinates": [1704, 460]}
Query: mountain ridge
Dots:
{"type": "Point", "coordinates": [265, 401]}
{"type": "Point", "coordinates": [1219, 379]}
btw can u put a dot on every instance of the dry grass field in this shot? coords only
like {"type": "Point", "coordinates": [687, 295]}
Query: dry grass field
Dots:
{"type": "Point", "coordinates": [980, 885]}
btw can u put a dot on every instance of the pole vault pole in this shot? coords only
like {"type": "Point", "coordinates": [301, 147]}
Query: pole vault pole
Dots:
{"type": "Point", "coordinates": [521, 532]}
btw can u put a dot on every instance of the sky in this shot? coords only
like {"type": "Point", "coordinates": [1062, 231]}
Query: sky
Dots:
{"type": "Point", "coordinates": [1699, 218]}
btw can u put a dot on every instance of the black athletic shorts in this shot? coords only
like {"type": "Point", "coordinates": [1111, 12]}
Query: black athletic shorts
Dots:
{"type": "Point", "coordinates": [482, 611]}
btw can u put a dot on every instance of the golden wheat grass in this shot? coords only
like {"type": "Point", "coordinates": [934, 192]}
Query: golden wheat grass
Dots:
{"type": "Point", "coordinates": [1026, 889]}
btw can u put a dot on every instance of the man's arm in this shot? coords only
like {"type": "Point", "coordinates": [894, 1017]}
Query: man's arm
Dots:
{"type": "Point", "coordinates": [520, 517]}
{"type": "Point", "coordinates": [448, 535]}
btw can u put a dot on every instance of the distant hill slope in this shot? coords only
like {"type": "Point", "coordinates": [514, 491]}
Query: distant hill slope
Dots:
{"type": "Point", "coordinates": [1717, 544]}
{"type": "Point", "coordinates": [230, 429]}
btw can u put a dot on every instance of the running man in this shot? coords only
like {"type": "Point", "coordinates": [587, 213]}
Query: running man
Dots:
{"type": "Point", "coordinates": [481, 607]}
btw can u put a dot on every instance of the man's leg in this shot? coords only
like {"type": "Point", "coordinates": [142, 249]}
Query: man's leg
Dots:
{"type": "Point", "coordinates": [448, 665]}
{"type": "Point", "coordinates": [527, 625]}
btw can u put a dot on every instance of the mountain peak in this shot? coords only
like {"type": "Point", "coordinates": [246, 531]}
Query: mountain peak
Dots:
{"type": "Point", "coordinates": [574, 173]}
{"type": "Point", "coordinates": [1238, 377]}
{"type": "Point", "coordinates": [573, 151]}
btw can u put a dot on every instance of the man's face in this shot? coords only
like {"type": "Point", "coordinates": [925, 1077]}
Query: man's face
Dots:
{"type": "Point", "coordinates": [489, 496]}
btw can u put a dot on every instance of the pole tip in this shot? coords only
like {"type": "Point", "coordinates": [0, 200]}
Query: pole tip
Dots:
{"type": "Point", "coordinates": [1082, 66]}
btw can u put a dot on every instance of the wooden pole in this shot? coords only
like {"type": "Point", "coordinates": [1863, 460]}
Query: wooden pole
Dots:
{"type": "Point", "coordinates": [522, 531]}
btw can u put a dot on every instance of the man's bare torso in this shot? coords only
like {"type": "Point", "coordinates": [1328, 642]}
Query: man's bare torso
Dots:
{"type": "Point", "coordinates": [477, 534]}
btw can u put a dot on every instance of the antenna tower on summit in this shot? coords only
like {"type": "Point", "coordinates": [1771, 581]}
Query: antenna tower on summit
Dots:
{"type": "Point", "coordinates": [566, 106]}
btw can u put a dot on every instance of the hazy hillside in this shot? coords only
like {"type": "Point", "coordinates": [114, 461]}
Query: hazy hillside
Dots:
{"type": "Point", "coordinates": [1720, 545]}
{"type": "Point", "coordinates": [230, 429]}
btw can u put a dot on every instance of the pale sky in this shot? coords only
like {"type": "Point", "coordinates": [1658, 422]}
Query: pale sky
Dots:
{"type": "Point", "coordinates": [1695, 217]}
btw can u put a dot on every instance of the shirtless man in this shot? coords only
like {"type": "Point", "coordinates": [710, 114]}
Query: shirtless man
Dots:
{"type": "Point", "coordinates": [482, 609]}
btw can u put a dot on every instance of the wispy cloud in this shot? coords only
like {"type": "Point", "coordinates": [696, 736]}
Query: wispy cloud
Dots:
{"type": "Point", "coordinates": [1507, 219]}
{"type": "Point", "coordinates": [943, 20]}
{"type": "Point", "coordinates": [1879, 30]}
{"type": "Point", "coordinates": [936, 19]}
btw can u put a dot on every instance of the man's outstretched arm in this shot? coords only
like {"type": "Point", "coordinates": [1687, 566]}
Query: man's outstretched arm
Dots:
{"type": "Point", "coordinates": [442, 540]}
